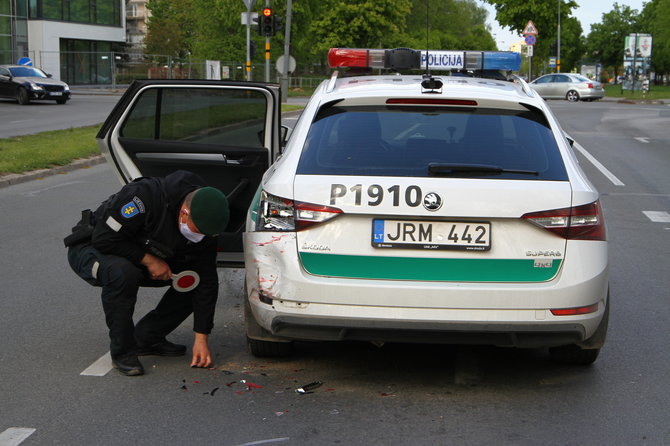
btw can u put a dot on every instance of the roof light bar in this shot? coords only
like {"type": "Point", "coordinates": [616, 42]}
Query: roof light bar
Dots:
{"type": "Point", "coordinates": [405, 58]}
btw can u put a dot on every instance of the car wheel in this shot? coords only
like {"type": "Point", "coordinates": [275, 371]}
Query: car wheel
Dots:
{"type": "Point", "coordinates": [573, 354]}
{"type": "Point", "coordinates": [572, 96]}
{"type": "Point", "coordinates": [260, 341]}
{"type": "Point", "coordinates": [268, 349]}
{"type": "Point", "coordinates": [22, 96]}
{"type": "Point", "coordinates": [588, 351]}
{"type": "Point", "coordinates": [61, 101]}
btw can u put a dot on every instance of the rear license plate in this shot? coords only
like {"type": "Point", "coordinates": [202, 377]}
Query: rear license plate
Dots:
{"type": "Point", "coordinates": [55, 93]}
{"type": "Point", "coordinates": [469, 236]}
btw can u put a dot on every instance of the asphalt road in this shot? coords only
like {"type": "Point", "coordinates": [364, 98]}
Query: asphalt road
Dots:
{"type": "Point", "coordinates": [82, 110]}
{"type": "Point", "coordinates": [52, 329]}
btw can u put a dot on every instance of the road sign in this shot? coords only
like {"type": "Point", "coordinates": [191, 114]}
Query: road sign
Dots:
{"type": "Point", "coordinates": [552, 62]}
{"type": "Point", "coordinates": [280, 64]}
{"type": "Point", "coordinates": [530, 39]}
{"type": "Point", "coordinates": [530, 28]}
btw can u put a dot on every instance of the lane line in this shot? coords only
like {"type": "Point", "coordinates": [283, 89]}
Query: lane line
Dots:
{"type": "Point", "coordinates": [610, 176]}
{"type": "Point", "coordinates": [271, 440]}
{"type": "Point", "coordinates": [643, 139]}
{"type": "Point", "coordinates": [100, 367]}
{"type": "Point", "coordinates": [14, 436]}
{"type": "Point", "coordinates": [657, 216]}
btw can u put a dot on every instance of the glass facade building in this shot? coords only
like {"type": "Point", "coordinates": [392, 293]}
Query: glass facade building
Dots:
{"type": "Point", "coordinates": [13, 30]}
{"type": "Point", "coordinates": [97, 12]}
{"type": "Point", "coordinates": [85, 32]}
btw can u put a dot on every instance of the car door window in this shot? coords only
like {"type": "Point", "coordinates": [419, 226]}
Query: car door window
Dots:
{"type": "Point", "coordinates": [561, 78]}
{"type": "Point", "coordinates": [199, 115]}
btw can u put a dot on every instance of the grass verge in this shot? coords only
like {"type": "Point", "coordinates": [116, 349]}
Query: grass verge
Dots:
{"type": "Point", "coordinates": [43, 150]}
{"type": "Point", "coordinates": [655, 92]}
{"type": "Point", "coordinates": [47, 149]}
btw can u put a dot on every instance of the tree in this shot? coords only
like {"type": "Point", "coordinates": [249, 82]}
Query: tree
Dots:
{"type": "Point", "coordinates": [448, 25]}
{"type": "Point", "coordinates": [606, 39]}
{"type": "Point", "coordinates": [515, 14]}
{"type": "Point", "coordinates": [167, 34]}
{"type": "Point", "coordinates": [359, 24]}
{"type": "Point", "coordinates": [654, 20]}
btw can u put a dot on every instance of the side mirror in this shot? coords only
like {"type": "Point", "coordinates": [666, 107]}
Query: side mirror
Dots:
{"type": "Point", "coordinates": [49, 75]}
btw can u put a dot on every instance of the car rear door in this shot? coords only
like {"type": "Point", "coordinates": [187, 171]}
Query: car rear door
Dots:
{"type": "Point", "coordinates": [227, 132]}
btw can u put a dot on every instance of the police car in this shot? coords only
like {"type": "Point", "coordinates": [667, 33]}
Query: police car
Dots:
{"type": "Point", "coordinates": [443, 205]}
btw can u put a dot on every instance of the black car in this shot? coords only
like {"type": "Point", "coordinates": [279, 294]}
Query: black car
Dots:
{"type": "Point", "coordinates": [25, 83]}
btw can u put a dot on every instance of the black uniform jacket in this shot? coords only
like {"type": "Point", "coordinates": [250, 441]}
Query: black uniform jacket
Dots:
{"type": "Point", "coordinates": [143, 218]}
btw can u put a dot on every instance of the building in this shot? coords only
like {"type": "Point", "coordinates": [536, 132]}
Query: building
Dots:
{"type": "Point", "coordinates": [137, 16]}
{"type": "Point", "coordinates": [71, 39]}
{"type": "Point", "coordinates": [518, 47]}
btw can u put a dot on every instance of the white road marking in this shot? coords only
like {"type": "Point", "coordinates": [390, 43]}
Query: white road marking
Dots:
{"type": "Point", "coordinates": [610, 176]}
{"type": "Point", "coordinates": [99, 367]}
{"type": "Point", "coordinates": [657, 216]}
{"type": "Point", "coordinates": [271, 440]}
{"type": "Point", "coordinates": [14, 436]}
{"type": "Point", "coordinates": [643, 139]}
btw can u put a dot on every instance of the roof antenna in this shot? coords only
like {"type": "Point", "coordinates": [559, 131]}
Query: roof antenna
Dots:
{"type": "Point", "coordinates": [429, 83]}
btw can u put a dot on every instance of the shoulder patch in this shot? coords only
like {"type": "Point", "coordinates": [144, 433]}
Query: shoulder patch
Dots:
{"type": "Point", "coordinates": [139, 204]}
{"type": "Point", "coordinates": [129, 210]}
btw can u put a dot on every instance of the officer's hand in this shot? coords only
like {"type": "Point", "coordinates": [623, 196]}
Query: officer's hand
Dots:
{"type": "Point", "coordinates": [201, 355]}
{"type": "Point", "coordinates": [158, 269]}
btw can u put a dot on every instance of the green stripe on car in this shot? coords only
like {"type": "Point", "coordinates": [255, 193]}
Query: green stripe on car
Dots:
{"type": "Point", "coordinates": [429, 269]}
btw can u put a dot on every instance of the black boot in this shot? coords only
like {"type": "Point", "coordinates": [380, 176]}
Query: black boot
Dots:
{"type": "Point", "coordinates": [162, 348]}
{"type": "Point", "coordinates": [128, 364]}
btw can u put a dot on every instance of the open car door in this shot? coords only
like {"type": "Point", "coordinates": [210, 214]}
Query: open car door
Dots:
{"type": "Point", "coordinates": [226, 132]}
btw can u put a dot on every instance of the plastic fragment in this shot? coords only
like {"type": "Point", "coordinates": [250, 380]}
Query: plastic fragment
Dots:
{"type": "Point", "coordinates": [307, 388]}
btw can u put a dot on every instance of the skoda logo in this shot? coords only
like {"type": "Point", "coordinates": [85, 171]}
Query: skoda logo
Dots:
{"type": "Point", "coordinates": [432, 201]}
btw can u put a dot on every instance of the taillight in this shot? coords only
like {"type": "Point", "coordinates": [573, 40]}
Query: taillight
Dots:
{"type": "Point", "coordinates": [584, 222]}
{"type": "Point", "coordinates": [281, 214]}
{"type": "Point", "coordinates": [590, 85]}
{"type": "Point", "coordinates": [575, 311]}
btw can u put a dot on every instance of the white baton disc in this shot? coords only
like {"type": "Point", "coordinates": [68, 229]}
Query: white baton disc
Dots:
{"type": "Point", "coordinates": [185, 281]}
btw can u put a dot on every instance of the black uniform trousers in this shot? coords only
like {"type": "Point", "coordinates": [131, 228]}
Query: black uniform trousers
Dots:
{"type": "Point", "coordinates": [120, 281]}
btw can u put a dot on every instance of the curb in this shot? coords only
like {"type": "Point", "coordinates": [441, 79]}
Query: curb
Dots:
{"type": "Point", "coordinates": [17, 178]}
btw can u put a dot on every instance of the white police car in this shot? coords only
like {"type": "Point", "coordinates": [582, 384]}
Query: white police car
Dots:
{"type": "Point", "coordinates": [403, 208]}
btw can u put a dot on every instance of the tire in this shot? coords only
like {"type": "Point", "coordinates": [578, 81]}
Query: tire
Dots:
{"type": "Point", "coordinates": [261, 342]}
{"type": "Point", "coordinates": [573, 355]}
{"type": "Point", "coordinates": [572, 96]}
{"type": "Point", "coordinates": [61, 101]}
{"type": "Point", "coordinates": [22, 96]}
{"type": "Point", "coordinates": [268, 349]}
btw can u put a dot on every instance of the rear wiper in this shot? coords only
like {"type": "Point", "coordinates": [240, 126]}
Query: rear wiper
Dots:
{"type": "Point", "coordinates": [457, 169]}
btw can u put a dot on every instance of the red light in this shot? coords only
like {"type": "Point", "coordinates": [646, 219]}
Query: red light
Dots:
{"type": "Point", "coordinates": [575, 311]}
{"type": "Point", "coordinates": [584, 222]}
{"type": "Point", "coordinates": [267, 12]}
{"type": "Point", "coordinates": [338, 57]}
{"type": "Point", "coordinates": [410, 101]}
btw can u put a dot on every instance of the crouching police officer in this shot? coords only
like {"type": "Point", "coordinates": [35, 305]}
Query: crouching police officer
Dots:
{"type": "Point", "coordinates": [142, 235]}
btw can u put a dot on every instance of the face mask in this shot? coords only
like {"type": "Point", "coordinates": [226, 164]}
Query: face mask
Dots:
{"type": "Point", "coordinates": [190, 235]}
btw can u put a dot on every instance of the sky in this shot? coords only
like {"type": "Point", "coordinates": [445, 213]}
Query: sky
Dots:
{"type": "Point", "coordinates": [588, 13]}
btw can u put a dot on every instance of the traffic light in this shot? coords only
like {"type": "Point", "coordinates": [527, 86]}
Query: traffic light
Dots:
{"type": "Point", "coordinates": [266, 23]}
{"type": "Point", "coordinates": [277, 24]}
{"type": "Point", "coordinates": [554, 47]}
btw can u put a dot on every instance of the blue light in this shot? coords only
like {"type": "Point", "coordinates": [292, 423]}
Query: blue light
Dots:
{"type": "Point", "coordinates": [502, 60]}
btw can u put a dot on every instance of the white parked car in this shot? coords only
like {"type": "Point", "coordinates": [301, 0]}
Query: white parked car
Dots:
{"type": "Point", "coordinates": [403, 207]}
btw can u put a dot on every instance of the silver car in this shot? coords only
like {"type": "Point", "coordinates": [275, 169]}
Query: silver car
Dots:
{"type": "Point", "coordinates": [569, 86]}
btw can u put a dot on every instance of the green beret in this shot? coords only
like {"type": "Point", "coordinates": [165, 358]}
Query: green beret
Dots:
{"type": "Point", "coordinates": [209, 211]}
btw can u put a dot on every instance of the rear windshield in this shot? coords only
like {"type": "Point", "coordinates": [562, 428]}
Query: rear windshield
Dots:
{"type": "Point", "coordinates": [404, 141]}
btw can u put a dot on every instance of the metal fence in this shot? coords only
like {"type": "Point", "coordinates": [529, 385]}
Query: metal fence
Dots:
{"type": "Point", "coordinates": [115, 68]}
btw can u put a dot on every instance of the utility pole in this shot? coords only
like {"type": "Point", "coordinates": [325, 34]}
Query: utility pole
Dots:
{"type": "Point", "coordinates": [267, 51]}
{"type": "Point", "coordinates": [249, 4]}
{"type": "Point", "coordinates": [287, 44]}
{"type": "Point", "coordinates": [558, 47]}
